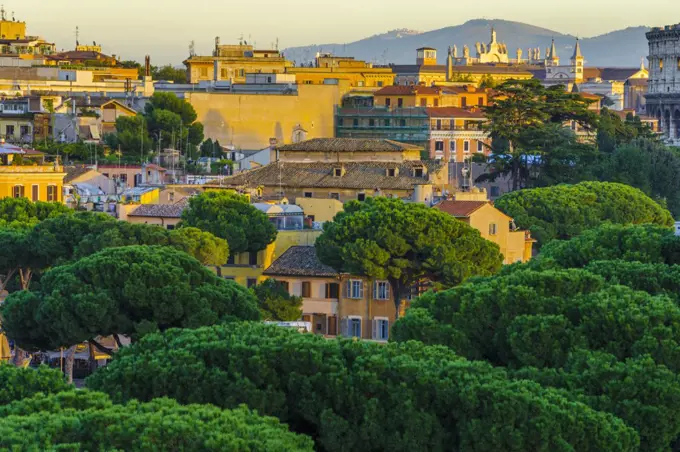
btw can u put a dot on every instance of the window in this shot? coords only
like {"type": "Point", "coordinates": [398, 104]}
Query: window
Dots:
{"type": "Point", "coordinates": [493, 229]}
{"type": "Point", "coordinates": [439, 124]}
{"type": "Point", "coordinates": [231, 260]}
{"type": "Point", "coordinates": [402, 122]}
{"type": "Point", "coordinates": [661, 64]}
{"type": "Point", "coordinates": [355, 122]}
{"type": "Point", "coordinates": [423, 102]}
{"type": "Point", "coordinates": [353, 327]}
{"type": "Point", "coordinates": [241, 72]}
{"type": "Point", "coordinates": [452, 145]}
{"type": "Point", "coordinates": [250, 282]}
{"type": "Point", "coordinates": [391, 172]}
{"type": "Point", "coordinates": [35, 190]}
{"type": "Point", "coordinates": [52, 193]}
{"type": "Point", "coordinates": [332, 290]}
{"type": "Point", "coordinates": [463, 102]}
{"type": "Point", "coordinates": [418, 172]}
{"type": "Point", "coordinates": [170, 227]}
{"type": "Point", "coordinates": [400, 102]}
{"type": "Point", "coordinates": [252, 258]}
{"type": "Point", "coordinates": [380, 84]}
{"type": "Point", "coordinates": [340, 122]}
{"type": "Point", "coordinates": [678, 63]}
{"type": "Point", "coordinates": [436, 102]}
{"type": "Point", "coordinates": [495, 191]}
{"type": "Point", "coordinates": [480, 101]}
{"type": "Point", "coordinates": [388, 101]}
{"type": "Point", "coordinates": [466, 146]}
{"type": "Point", "coordinates": [18, 191]}
{"type": "Point", "coordinates": [306, 289]}
{"type": "Point", "coordinates": [285, 286]}
{"type": "Point", "coordinates": [337, 172]}
{"type": "Point", "coordinates": [24, 131]}
{"type": "Point", "coordinates": [334, 196]}
{"type": "Point", "coordinates": [229, 278]}
{"type": "Point", "coordinates": [371, 123]}
{"type": "Point", "coordinates": [361, 196]}
{"type": "Point", "coordinates": [381, 290]}
{"type": "Point", "coordinates": [480, 146]}
{"type": "Point", "coordinates": [439, 146]}
{"type": "Point", "coordinates": [387, 123]}
{"type": "Point", "coordinates": [9, 131]}
{"type": "Point", "coordinates": [308, 194]}
{"type": "Point", "coordinates": [355, 289]}
{"type": "Point", "coordinates": [381, 329]}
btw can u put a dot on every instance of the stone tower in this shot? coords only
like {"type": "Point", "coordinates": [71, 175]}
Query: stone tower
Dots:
{"type": "Point", "coordinates": [663, 94]}
{"type": "Point", "coordinates": [577, 61]}
{"type": "Point", "coordinates": [551, 59]}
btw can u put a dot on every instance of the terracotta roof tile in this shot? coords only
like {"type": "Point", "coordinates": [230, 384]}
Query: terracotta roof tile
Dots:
{"type": "Point", "coordinates": [161, 210]}
{"type": "Point", "coordinates": [74, 172]}
{"type": "Point", "coordinates": [460, 209]}
{"type": "Point", "coordinates": [358, 175]}
{"type": "Point", "coordinates": [300, 261]}
{"type": "Point", "coordinates": [348, 145]}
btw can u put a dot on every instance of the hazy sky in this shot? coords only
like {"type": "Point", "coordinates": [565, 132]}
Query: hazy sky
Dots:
{"type": "Point", "coordinates": [164, 28]}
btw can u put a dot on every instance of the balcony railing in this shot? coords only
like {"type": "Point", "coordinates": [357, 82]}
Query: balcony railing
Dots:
{"type": "Point", "coordinates": [447, 127]}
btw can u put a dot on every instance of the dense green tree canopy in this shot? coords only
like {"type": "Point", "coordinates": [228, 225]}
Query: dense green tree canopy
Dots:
{"type": "Point", "coordinates": [231, 217]}
{"type": "Point", "coordinates": [404, 243]}
{"type": "Point", "coordinates": [17, 383]}
{"type": "Point", "coordinates": [359, 396]}
{"type": "Point", "coordinates": [20, 212]}
{"type": "Point", "coordinates": [276, 303]}
{"type": "Point", "coordinates": [128, 290]}
{"type": "Point", "coordinates": [565, 211]}
{"type": "Point", "coordinates": [86, 420]}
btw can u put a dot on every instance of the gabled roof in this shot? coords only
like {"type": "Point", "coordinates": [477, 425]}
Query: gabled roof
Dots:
{"type": "Point", "coordinates": [300, 261]}
{"type": "Point", "coordinates": [460, 209]}
{"type": "Point", "coordinates": [74, 172]}
{"type": "Point", "coordinates": [161, 210]}
{"type": "Point", "coordinates": [610, 73]}
{"type": "Point", "coordinates": [348, 145]}
{"type": "Point", "coordinates": [357, 175]}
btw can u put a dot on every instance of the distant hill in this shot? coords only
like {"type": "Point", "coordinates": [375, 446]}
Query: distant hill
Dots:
{"type": "Point", "coordinates": [618, 48]}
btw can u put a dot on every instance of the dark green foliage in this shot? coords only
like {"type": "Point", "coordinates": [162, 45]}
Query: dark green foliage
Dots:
{"type": "Point", "coordinates": [20, 212]}
{"type": "Point", "coordinates": [231, 217]}
{"type": "Point", "coordinates": [565, 211]}
{"type": "Point", "coordinates": [18, 383]}
{"type": "Point", "coordinates": [541, 324]}
{"type": "Point", "coordinates": [404, 243]}
{"type": "Point", "coordinates": [644, 243]}
{"type": "Point", "coordinates": [648, 165]}
{"type": "Point", "coordinates": [524, 121]}
{"type": "Point", "coordinates": [129, 290]}
{"type": "Point", "coordinates": [86, 420]}
{"type": "Point", "coordinates": [276, 303]}
{"type": "Point", "coordinates": [360, 396]}
{"type": "Point", "coordinates": [651, 278]}
{"type": "Point", "coordinates": [65, 238]}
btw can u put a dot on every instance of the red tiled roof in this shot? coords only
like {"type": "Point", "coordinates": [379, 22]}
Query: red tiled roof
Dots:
{"type": "Point", "coordinates": [453, 112]}
{"type": "Point", "coordinates": [460, 209]}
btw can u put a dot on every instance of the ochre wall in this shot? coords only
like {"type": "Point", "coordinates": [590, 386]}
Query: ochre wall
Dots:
{"type": "Point", "coordinates": [9, 179]}
{"type": "Point", "coordinates": [248, 121]}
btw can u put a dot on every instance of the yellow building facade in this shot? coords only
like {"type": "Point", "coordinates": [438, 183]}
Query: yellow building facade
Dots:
{"type": "Point", "coordinates": [247, 268]}
{"type": "Point", "coordinates": [329, 68]}
{"type": "Point", "coordinates": [10, 29]}
{"type": "Point", "coordinates": [249, 121]}
{"type": "Point", "coordinates": [40, 182]}
{"type": "Point", "coordinates": [493, 225]}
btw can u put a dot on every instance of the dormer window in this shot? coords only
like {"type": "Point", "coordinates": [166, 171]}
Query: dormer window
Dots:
{"type": "Point", "coordinates": [392, 172]}
{"type": "Point", "coordinates": [338, 172]}
{"type": "Point", "coordinates": [418, 171]}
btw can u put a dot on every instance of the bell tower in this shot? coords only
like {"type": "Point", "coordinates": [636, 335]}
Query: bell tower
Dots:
{"type": "Point", "coordinates": [577, 62]}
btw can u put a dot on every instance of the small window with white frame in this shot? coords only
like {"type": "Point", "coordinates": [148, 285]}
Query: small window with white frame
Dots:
{"type": "Point", "coordinates": [466, 146]}
{"type": "Point", "coordinates": [493, 229]}
{"type": "Point", "coordinates": [355, 289]}
{"type": "Point", "coordinates": [480, 146]}
{"type": "Point", "coordinates": [452, 145]}
{"type": "Point", "coordinates": [381, 290]}
{"type": "Point", "coordinates": [381, 328]}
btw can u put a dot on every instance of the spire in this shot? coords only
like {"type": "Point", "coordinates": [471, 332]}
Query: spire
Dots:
{"type": "Point", "coordinates": [577, 50]}
{"type": "Point", "coordinates": [553, 51]}
{"type": "Point", "coordinates": [493, 35]}
{"type": "Point", "coordinates": [642, 64]}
